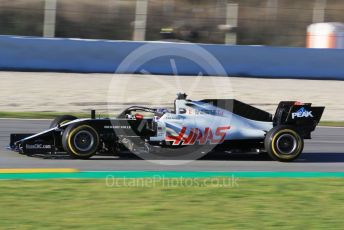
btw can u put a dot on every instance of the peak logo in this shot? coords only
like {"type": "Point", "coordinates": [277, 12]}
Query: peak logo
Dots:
{"type": "Point", "coordinates": [199, 136]}
{"type": "Point", "coordinates": [302, 113]}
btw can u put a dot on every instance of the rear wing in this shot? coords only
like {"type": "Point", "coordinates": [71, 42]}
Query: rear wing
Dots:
{"type": "Point", "coordinates": [303, 116]}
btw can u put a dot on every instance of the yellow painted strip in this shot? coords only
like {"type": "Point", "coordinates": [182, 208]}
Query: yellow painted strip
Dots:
{"type": "Point", "coordinates": [39, 170]}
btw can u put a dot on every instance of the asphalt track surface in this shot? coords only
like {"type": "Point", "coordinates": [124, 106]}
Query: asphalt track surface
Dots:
{"type": "Point", "coordinates": [324, 153]}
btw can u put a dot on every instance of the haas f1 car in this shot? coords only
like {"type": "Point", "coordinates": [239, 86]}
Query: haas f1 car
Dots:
{"type": "Point", "coordinates": [226, 124]}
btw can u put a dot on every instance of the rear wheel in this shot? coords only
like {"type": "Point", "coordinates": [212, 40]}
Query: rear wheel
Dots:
{"type": "Point", "coordinates": [80, 141]}
{"type": "Point", "coordinates": [60, 120]}
{"type": "Point", "coordinates": [283, 143]}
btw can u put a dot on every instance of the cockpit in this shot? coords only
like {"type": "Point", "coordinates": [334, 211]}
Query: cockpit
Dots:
{"type": "Point", "coordinates": [141, 112]}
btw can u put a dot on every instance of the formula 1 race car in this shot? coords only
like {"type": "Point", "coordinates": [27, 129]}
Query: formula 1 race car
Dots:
{"type": "Point", "coordinates": [198, 126]}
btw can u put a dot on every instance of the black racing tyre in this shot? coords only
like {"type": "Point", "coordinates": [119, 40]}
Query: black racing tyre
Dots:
{"type": "Point", "coordinates": [283, 143]}
{"type": "Point", "coordinates": [80, 141]}
{"type": "Point", "coordinates": [59, 120]}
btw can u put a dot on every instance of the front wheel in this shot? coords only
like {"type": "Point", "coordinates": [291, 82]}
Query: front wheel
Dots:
{"type": "Point", "coordinates": [283, 143]}
{"type": "Point", "coordinates": [60, 120]}
{"type": "Point", "coordinates": [80, 141]}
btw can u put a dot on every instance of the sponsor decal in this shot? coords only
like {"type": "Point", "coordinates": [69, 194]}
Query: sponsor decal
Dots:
{"type": "Point", "coordinates": [302, 113]}
{"type": "Point", "coordinates": [38, 146]}
{"type": "Point", "coordinates": [205, 111]}
{"type": "Point", "coordinates": [199, 136]}
{"type": "Point", "coordinates": [118, 127]}
{"type": "Point", "coordinates": [160, 131]}
{"type": "Point", "coordinates": [174, 117]}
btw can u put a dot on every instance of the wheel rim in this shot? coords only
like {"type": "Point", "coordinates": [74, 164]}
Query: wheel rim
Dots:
{"type": "Point", "coordinates": [286, 144]}
{"type": "Point", "coordinates": [83, 141]}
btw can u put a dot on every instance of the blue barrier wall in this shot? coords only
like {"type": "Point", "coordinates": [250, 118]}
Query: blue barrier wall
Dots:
{"type": "Point", "coordinates": [103, 56]}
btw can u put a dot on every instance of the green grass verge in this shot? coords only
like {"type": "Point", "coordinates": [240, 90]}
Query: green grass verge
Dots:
{"type": "Point", "coordinates": [173, 204]}
{"type": "Point", "coordinates": [52, 115]}
{"type": "Point", "coordinates": [39, 115]}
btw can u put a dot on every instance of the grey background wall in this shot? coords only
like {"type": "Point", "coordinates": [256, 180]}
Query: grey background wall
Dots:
{"type": "Point", "coordinates": [105, 56]}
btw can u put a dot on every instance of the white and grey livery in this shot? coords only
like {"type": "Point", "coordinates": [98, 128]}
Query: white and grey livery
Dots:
{"type": "Point", "coordinates": [204, 125]}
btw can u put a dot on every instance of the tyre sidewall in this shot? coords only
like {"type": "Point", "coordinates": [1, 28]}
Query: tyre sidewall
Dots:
{"type": "Point", "coordinates": [271, 143]}
{"type": "Point", "coordinates": [68, 140]}
{"type": "Point", "coordinates": [61, 120]}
